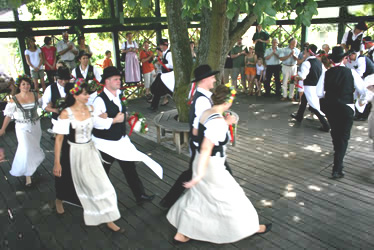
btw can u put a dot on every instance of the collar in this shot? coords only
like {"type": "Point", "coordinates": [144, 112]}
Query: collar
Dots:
{"type": "Point", "coordinates": [353, 34]}
{"type": "Point", "coordinates": [205, 92]}
{"type": "Point", "coordinates": [310, 57]}
{"type": "Point", "coordinates": [80, 67]}
{"type": "Point", "coordinates": [110, 95]}
{"type": "Point", "coordinates": [59, 86]}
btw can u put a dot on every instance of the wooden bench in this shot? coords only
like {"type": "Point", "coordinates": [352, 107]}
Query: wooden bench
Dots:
{"type": "Point", "coordinates": [166, 122]}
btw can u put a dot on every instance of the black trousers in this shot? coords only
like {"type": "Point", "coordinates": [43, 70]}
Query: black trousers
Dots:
{"type": "Point", "coordinates": [270, 71]}
{"type": "Point", "coordinates": [340, 117]}
{"type": "Point", "coordinates": [158, 89]}
{"type": "Point", "coordinates": [129, 170]}
{"type": "Point", "coordinates": [50, 76]}
{"type": "Point", "coordinates": [301, 110]}
{"type": "Point", "coordinates": [177, 189]}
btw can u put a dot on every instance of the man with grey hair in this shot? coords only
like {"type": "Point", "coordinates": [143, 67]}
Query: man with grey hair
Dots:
{"type": "Point", "coordinates": [67, 50]}
{"type": "Point", "coordinates": [273, 67]}
{"type": "Point", "coordinates": [326, 48]}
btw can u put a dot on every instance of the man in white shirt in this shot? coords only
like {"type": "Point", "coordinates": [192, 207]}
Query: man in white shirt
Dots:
{"type": "Point", "coordinates": [273, 67]}
{"type": "Point", "coordinates": [369, 45]}
{"type": "Point", "coordinates": [352, 40]}
{"type": "Point", "coordinates": [289, 57]}
{"type": "Point", "coordinates": [67, 50]}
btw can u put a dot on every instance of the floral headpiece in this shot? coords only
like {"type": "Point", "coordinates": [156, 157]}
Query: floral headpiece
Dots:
{"type": "Point", "coordinates": [77, 86]}
{"type": "Point", "coordinates": [19, 79]}
{"type": "Point", "coordinates": [94, 85]}
{"type": "Point", "coordinates": [230, 97]}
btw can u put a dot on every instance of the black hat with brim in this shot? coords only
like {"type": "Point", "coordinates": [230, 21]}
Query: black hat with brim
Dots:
{"type": "Point", "coordinates": [63, 73]}
{"type": "Point", "coordinates": [164, 42]}
{"type": "Point", "coordinates": [367, 39]}
{"type": "Point", "coordinates": [202, 72]}
{"type": "Point", "coordinates": [337, 54]}
{"type": "Point", "coordinates": [83, 53]}
{"type": "Point", "coordinates": [109, 72]}
{"type": "Point", "coordinates": [361, 26]}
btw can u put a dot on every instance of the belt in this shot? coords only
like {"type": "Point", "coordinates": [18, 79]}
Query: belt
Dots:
{"type": "Point", "coordinates": [289, 65]}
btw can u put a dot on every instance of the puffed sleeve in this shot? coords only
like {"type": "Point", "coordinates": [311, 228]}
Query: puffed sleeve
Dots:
{"type": "Point", "coordinates": [10, 109]}
{"type": "Point", "coordinates": [216, 130]}
{"type": "Point", "coordinates": [62, 126]}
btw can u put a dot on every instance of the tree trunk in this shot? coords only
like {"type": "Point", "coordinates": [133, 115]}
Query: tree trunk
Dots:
{"type": "Point", "coordinates": [181, 53]}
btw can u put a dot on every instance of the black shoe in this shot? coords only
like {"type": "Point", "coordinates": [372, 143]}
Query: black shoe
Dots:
{"type": "Point", "coordinates": [163, 204]}
{"type": "Point", "coordinates": [144, 198]}
{"type": "Point", "coordinates": [336, 175]}
{"type": "Point", "coordinates": [360, 119]}
{"type": "Point", "coordinates": [148, 97]}
{"type": "Point", "coordinates": [267, 229]}
{"type": "Point", "coordinates": [324, 129]}
{"type": "Point", "coordinates": [296, 117]}
{"type": "Point", "coordinates": [152, 109]}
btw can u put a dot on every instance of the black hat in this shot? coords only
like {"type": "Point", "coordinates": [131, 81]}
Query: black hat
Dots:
{"type": "Point", "coordinates": [337, 54]}
{"type": "Point", "coordinates": [164, 42]}
{"type": "Point", "coordinates": [63, 73]}
{"type": "Point", "coordinates": [361, 26]}
{"type": "Point", "coordinates": [109, 72]}
{"type": "Point", "coordinates": [367, 39]}
{"type": "Point", "coordinates": [312, 48]}
{"type": "Point", "coordinates": [352, 51]}
{"type": "Point", "coordinates": [83, 53]}
{"type": "Point", "coordinates": [203, 71]}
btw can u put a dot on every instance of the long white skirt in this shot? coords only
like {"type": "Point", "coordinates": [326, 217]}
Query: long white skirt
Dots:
{"type": "Point", "coordinates": [216, 209]}
{"type": "Point", "coordinates": [29, 155]}
{"type": "Point", "coordinates": [93, 187]}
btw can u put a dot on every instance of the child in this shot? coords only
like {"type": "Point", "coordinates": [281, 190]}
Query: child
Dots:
{"type": "Point", "coordinates": [259, 75]}
{"type": "Point", "coordinates": [107, 61]}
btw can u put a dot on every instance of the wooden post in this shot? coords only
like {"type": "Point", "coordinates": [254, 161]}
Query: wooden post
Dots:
{"type": "Point", "coordinates": [343, 13]}
{"type": "Point", "coordinates": [118, 14]}
{"type": "Point", "coordinates": [304, 34]}
{"type": "Point", "coordinates": [21, 42]}
{"type": "Point", "coordinates": [158, 14]}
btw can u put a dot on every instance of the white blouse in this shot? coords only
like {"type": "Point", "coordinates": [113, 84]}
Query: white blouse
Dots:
{"type": "Point", "coordinates": [216, 130]}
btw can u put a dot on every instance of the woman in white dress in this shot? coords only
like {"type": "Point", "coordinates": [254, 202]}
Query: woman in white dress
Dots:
{"type": "Point", "coordinates": [23, 108]}
{"type": "Point", "coordinates": [369, 80]}
{"type": "Point", "coordinates": [93, 187]}
{"type": "Point", "coordinates": [215, 208]}
{"type": "Point", "coordinates": [132, 67]}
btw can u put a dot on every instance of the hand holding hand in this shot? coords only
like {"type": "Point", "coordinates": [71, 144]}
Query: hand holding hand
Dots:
{"type": "Point", "coordinates": [57, 170]}
{"type": "Point", "coordinates": [104, 115]}
{"type": "Point", "coordinates": [120, 117]}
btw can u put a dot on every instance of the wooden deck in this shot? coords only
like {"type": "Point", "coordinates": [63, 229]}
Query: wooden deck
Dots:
{"type": "Point", "coordinates": [282, 166]}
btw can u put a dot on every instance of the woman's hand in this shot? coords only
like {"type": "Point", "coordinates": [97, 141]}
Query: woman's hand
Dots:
{"type": "Point", "coordinates": [192, 182]}
{"type": "Point", "coordinates": [2, 132]}
{"type": "Point", "coordinates": [57, 170]}
{"type": "Point", "coordinates": [230, 119]}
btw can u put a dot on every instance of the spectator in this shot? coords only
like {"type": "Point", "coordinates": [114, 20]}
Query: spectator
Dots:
{"type": "Point", "coordinates": [237, 55]}
{"type": "Point", "coordinates": [193, 53]}
{"type": "Point", "coordinates": [107, 61]}
{"type": "Point", "coordinates": [250, 69]}
{"type": "Point", "coordinates": [34, 59]}
{"type": "Point", "coordinates": [148, 70]}
{"type": "Point", "coordinates": [259, 75]}
{"type": "Point", "coordinates": [369, 45]}
{"type": "Point", "coordinates": [326, 48]}
{"type": "Point", "coordinates": [273, 67]}
{"type": "Point", "coordinates": [289, 57]}
{"type": "Point", "coordinates": [82, 46]}
{"type": "Point", "coordinates": [260, 39]}
{"type": "Point", "coordinates": [157, 64]}
{"type": "Point", "coordinates": [49, 58]}
{"type": "Point", "coordinates": [67, 50]}
{"type": "Point", "coordinates": [228, 68]}
{"type": "Point", "coordinates": [132, 68]}
{"type": "Point", "coordinates": [352, 40]}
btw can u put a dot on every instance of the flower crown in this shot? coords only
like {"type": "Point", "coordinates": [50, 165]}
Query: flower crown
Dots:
{"type": "Point", "coordinates": [19, 79]}
{"type": "Point", "coordinates": [94, 85]}
{"type": "Point", "coordinates": [230, 97]}
{"type": "Point", "coordinates": [77, 86]}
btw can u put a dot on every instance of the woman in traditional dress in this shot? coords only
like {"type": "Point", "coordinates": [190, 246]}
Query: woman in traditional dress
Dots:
{"type": "Point", "coordinates": [23, 107]}
{"type": "Point", "coordinates": [132, 68]}
{"type": "Point", "coordinates": [215, 209]}
{"type": "Point", "coordinates": [93, 187]}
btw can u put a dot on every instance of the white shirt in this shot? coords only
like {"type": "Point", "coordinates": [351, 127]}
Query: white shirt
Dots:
{"type": "Point", "coordinates": [68, 56]}
{"type": "Point", "coordinates": [47, 96]}
{"type": "Point", "coordinates": [359, 65]}
{"type": "Point", "coordinates": [354, 37]}
{"type": "Point", "coordinates": [35, 58]}
{"type": "Point", "coordinates": [305, 68]}
{"type": "Point", "coordinates": [291, 60]}
{"type": "Point", "coordinates": [168, 58]}
{"type": "Point", "coordinates": [84, 73]}
{"type": "Point", "coordinates": [132, 45]}
{"type": "Point", "coordinates": [202, 104]}
{"type": "Point", "coordinates": [259, 69]}
{"type": "Point", "coordinates": [274, 60]}
{"type": "Point", "coordinates": [358, 84]}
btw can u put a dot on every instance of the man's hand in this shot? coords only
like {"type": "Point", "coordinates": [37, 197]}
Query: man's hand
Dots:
{"type": "Point", "coordinates": [120, 117]}
{"type": "Point", "coordinates": [104, 115]}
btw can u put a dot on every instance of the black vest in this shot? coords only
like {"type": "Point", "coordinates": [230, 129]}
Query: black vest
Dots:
{"type": "Point", "coordinates": [355, 45]}
{"type": "Point", "coordinates": [339, 85]}
{"type": "Point", "coordinates": [314, 72]}
{"type": "Point", "coordinates": [370, 55]}
{"type": "Point", "coordinates": [116, 131]}
{"type": "Point", "coordinates": [164, 61]}
{"type": "Point", "coordinates": [369, 67]}
{"type": "Point", "coordinates": [192, 114]}
{"type": "Point", "coordinates": [55, 95]}
{"type": "Point", "coordinates": [90, 74]}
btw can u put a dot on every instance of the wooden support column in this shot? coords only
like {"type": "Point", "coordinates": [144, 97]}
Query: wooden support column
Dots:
{"type": "Point", "coordinates": [158, 14]}
{"type": "Point", "coordinates": [21, 42]}
{"type": "Point", "coordinates": [304, 34]}
{"type": "Point", "coordinates": [116, 12]}
{"type": "Point", "coordinates": [80, 18]}
{"type": "Point", "coordinates": [343, 13]}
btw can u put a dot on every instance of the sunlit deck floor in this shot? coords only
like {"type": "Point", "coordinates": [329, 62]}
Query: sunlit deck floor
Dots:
{"type": "Point", "coordinates": [282, 166]}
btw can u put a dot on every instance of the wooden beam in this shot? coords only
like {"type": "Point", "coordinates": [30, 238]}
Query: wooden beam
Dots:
{"type": "Point", "coordinates": [21, 43]}
{"type": "Point", "coordinates": [342, 3]}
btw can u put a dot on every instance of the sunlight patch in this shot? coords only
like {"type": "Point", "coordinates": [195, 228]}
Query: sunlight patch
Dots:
{"type": "Point", "coordinates": [315, 188]}
{"type": "Point", "coordinates": [296, 218]}
{"type": "Point", "coordinates": [266, 203]}
{"type": "Point", "coordinates": [314, 148]}
{"type": "Point", "coordinates": [289, 194]}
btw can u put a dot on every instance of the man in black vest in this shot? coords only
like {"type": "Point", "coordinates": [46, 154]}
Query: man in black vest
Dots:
{"type": "Point", "coordinates": [204, 80]}
{"type": "Point", "coordinates": [364, 67]}
{"type": "Point", "coordinates": [56, 91]}
{"type": "Point", "coordinates": [310, 72]}
{"type": "Point", "coordinates": [337, 87]}
{"type": "Point", "coordinates": [369, 45]}
{"type": "Point", "coordinates": [109, 134]}
{"type": "Point", "coordinates": [352, 40]}
{"type": "Point", "coordinates": [86, 71]}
